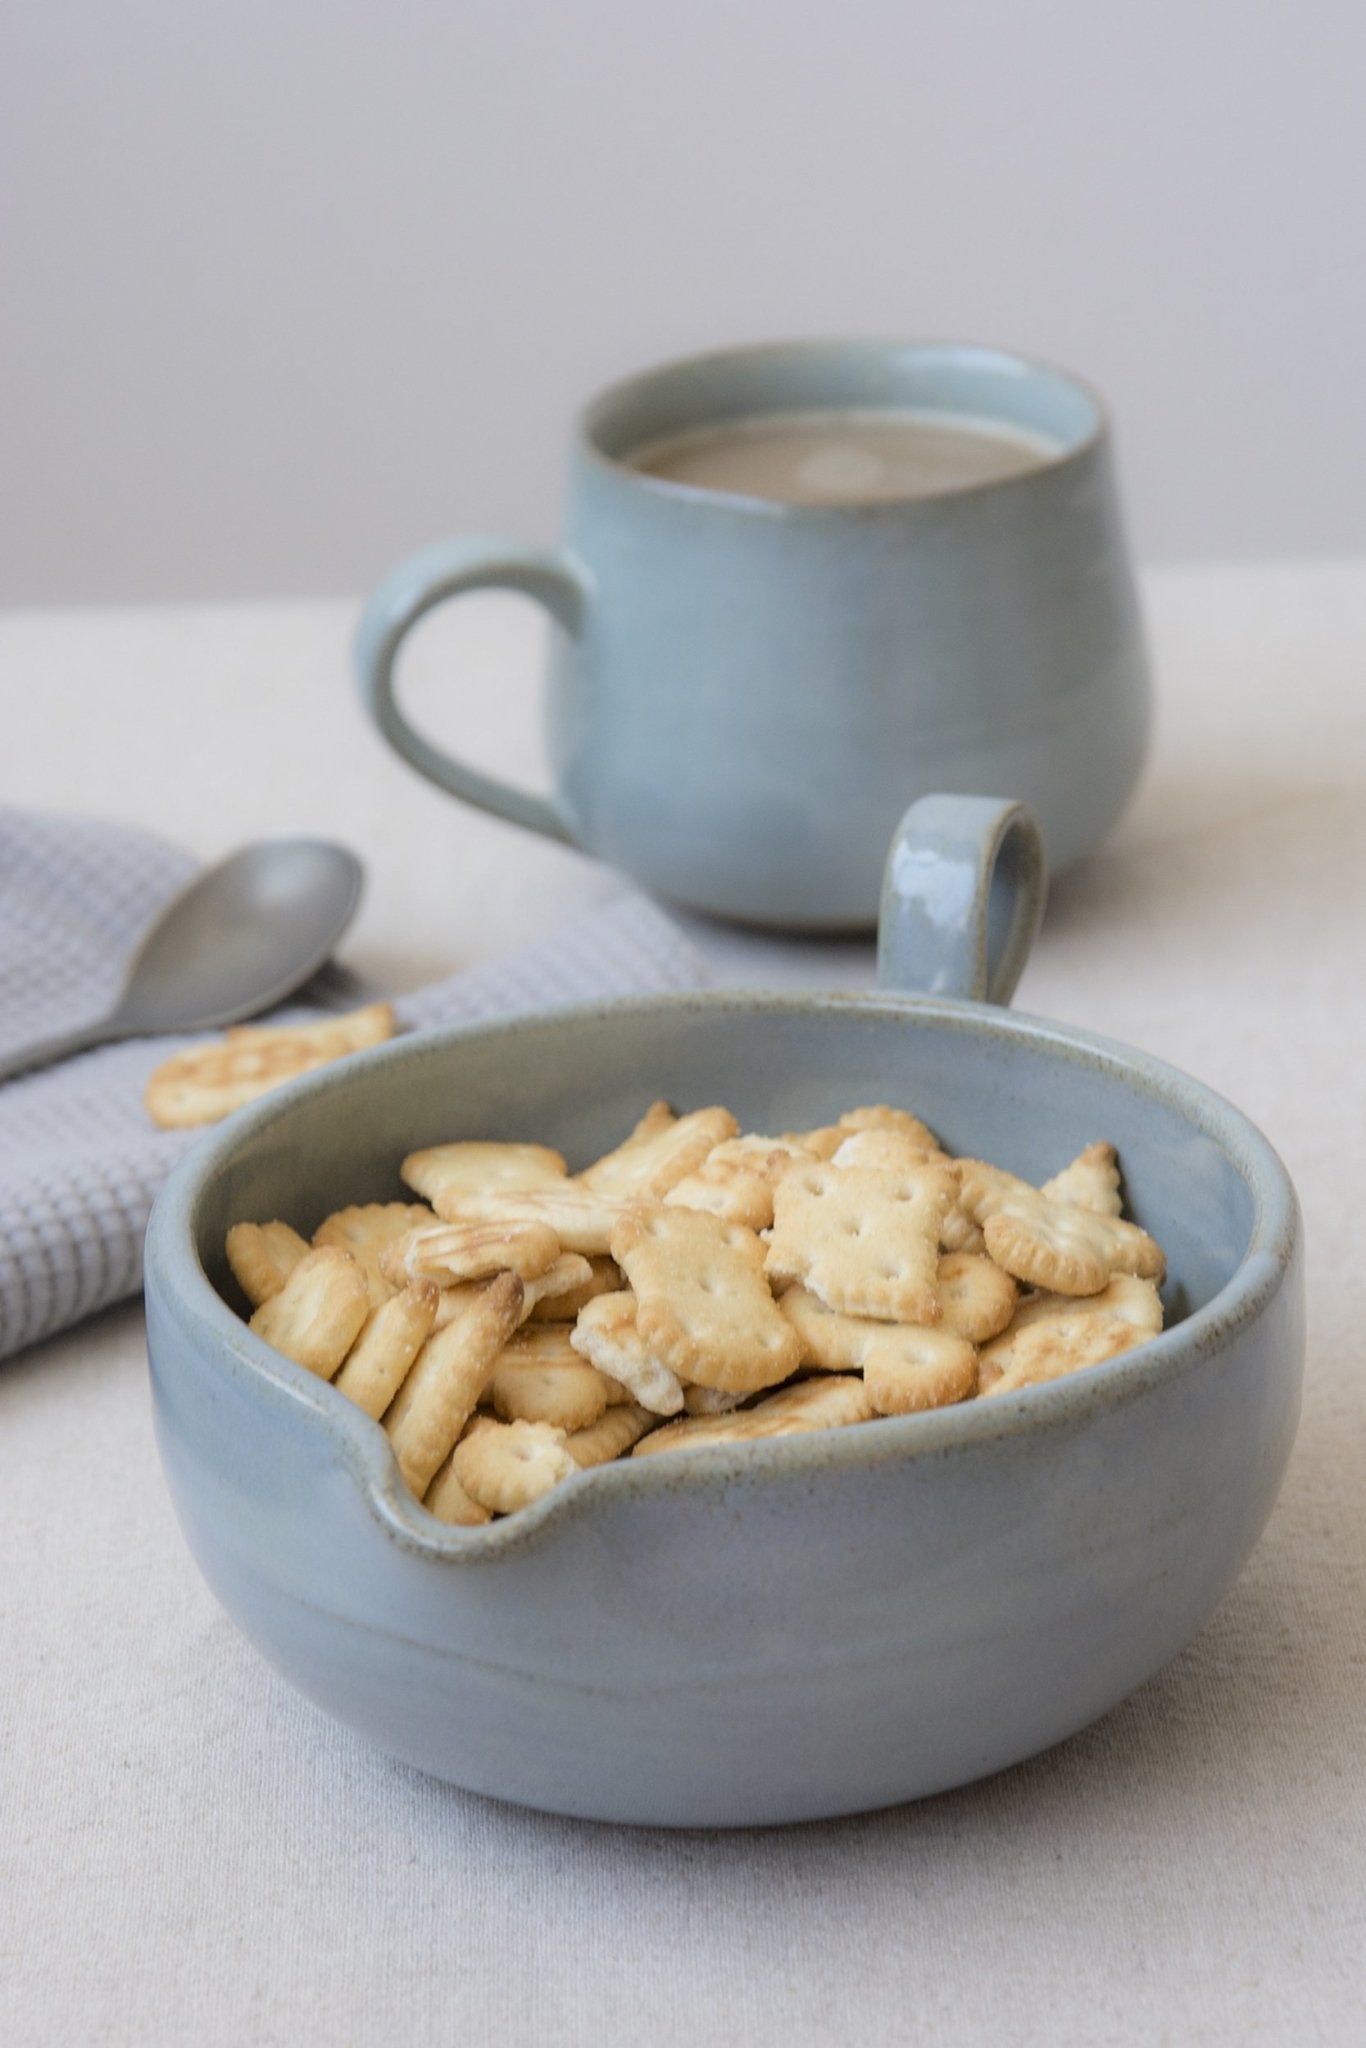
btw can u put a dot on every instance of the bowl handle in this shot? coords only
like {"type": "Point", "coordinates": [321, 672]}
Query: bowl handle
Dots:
{"type": "Point", "coordinates": [962, 897]}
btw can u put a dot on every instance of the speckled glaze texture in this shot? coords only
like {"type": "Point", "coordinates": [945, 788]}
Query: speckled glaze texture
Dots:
{"type": "Point", "coordinates": [780, 1631]}
{"type": "Point", "coordinates": [747, 695]}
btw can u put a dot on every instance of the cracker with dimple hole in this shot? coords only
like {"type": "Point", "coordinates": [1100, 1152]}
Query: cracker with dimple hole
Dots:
{"type": "Point", "coordinates": [1090, 1182]}
{"type": "Point", "coordinates": [473, 1164]}
{"type": "Point", "coordinates": [262, 1257]}
{"type": "Point", "coordinates": [317, 1315]}
{"type": "Point", "coordinates": [582, 1219]}
{"type": "Point", "coordinates": [365, 1230]}
{"type": "Point", "coordinates": [907, 1370]}
{"type": "Point", "coordinates": [539, 1377]}
{"type": "Point", "coordinates": [555, 1297]}
{"type": "Point", "coordinates": [737, 1178]}
{"type": "Point", "coordinates": [703, 1306]}
{"type": "Point", "coordinates": [606, 1335]}
{"type": "Point", "coordinates": [512, 1464]}
{"type": "Point", "coordinates": [977, 1297]}
{"type": "Point", "coordinates": [610, 1437]}
{"type": "Point", "coordinates": [1052, 1244]}
{"type": "Point", "coordinates": [661, 1151]}
{"type": "Point", "coordinates": [378, 1362]}
{"type": "Point", "coordinates": [204, 1083]}
{"type": "Point", "coordinates": [450, 1253]}
{"type": "Point", "coordinates": [905, 1367]}
{"type": "Point", "coordinates": [864, 1239]}
{"type": "Point", "coordinates": [830, 1402]}
{"type": "Point", "coordinates": [448, 1378]}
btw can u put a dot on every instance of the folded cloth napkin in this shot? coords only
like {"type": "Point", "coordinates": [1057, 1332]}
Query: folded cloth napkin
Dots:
{"type": "Point", "coordinates": [80, 1161]}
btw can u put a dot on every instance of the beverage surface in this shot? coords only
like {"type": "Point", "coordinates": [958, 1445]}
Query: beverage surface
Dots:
{"type": "Point", "coordinates": [864, 455]}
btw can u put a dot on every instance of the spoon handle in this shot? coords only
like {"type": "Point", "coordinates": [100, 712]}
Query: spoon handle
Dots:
{"type": "Point", "coordinates": [43, 1051]}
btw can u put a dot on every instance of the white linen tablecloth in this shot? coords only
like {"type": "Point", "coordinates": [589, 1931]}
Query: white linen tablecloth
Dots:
{"type": "Point", "coordinates": [189, 1852]}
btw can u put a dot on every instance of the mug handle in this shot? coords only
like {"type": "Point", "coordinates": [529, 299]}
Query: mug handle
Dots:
{"type": "Point", "coordinates": [962, 898]}
{"type": "Point", "coordinates": [415, 587]}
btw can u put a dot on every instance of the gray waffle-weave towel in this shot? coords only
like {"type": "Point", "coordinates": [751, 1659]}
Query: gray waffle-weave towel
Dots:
{"type": "Point", "coordinates": [80, 1162]}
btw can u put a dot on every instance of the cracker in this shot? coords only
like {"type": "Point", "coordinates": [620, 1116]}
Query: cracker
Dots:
{"type": "Point", "coordinates": [262, 1256]}
{"type": "Point", "coordinates": [606, 1335]}
{"type": "Point", "coordinates": [885, 1148]}
{"type": "Point", "coordinates": [1051, 1334]}
{"type": "Point", "coordinates": [977, 1297]}
{"type": "Point", "coordinates": [391, 1337]}
{"type": "Point", "coordinates": [447, 1499]}
{"type": "Point", "coordinates": [831, 1402]}
{"type": "Point", "coordinates": [881, 1116]}
{"type": "Point", "coordinates": [610, 1437]}
{"type": "Point", "coordinates": [1057, 1346]}
{"type": "Point", "coordinates": [558, 1294]}
{"type": "Point", "coordinates": [539, 1377]}
{"type": "Point", "coordinates": [473, 1164]}
{"type": "Point", "coordinates": [317, 1315]}
{"type": "Point", "coordinates": [709, 1401]}
{"type": "Point", "coordinates": [905, 1367]}
{"type": "Point", "coordinates": [736, 1179]}
{"type": "Point", "coordinates": [660, 1151]}
{"type": "Point", "coordinates": [1090, 1182]}
{"type": "Point", "coordinates": [512, 1464]}
{"type": "Point", "coordinates": [703, 1306]}
{"type": "Point", "coordinates": [960, 1232]}
{"type": "Point", "coordinates": [365, 1230]}
{"type": "Point", "coordinates": [864, 1239]}
{"type": "Point", "coordinates": [582, 1218]}
{"type": "Point", "coordinates": [350, 1031]}
{"type": "Point", "coordinates": [825, 1140]}
{"type": "Point", "coordinates": [1051, 1244]}
{"type": "Point", "coordinates": [206, 1082]}
{"type": "Point", "coordinates": [448, 1378]}
{"type": "Point", "coordinates": [450, 1253]}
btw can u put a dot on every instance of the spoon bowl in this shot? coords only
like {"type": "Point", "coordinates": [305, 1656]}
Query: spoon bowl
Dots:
{"type": "Point", "coordinates": [241, 937]}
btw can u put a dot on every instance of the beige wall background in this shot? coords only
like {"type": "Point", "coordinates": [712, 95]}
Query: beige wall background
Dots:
{"type": "Point", "coordinates": [288, 289]}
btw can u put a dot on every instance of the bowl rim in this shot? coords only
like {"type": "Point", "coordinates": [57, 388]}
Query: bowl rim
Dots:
{"type": "Point", "coordinates": [176, 1279]}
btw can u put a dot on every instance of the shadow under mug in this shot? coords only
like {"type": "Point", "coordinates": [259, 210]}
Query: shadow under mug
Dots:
{"type": "Point", "coordinates": [747, 694]}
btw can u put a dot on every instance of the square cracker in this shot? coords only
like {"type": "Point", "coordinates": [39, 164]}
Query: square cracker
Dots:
{"type": "Point", "coordinates": [703, 1306]}
{"type": "Point", "coordinates": [864, 1238]}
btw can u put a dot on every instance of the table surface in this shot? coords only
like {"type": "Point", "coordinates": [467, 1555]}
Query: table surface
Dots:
{"type": "Point", "coordinates": [188, 1850]}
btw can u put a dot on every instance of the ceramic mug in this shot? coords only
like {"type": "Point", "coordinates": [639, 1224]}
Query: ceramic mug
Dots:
{"type": "Point", "coordinates": [747, 693]}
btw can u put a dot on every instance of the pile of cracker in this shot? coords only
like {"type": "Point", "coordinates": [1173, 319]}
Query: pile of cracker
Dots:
{"type": "Point", "coordinates": [697, 1285]}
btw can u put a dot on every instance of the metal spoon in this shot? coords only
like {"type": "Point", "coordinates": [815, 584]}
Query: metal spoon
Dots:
{"type": "Point", "coordinates": [241, 937]}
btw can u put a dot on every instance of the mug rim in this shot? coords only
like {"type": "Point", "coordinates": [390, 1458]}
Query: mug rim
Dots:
{"type": "Point", "coordinates": [595, 415]}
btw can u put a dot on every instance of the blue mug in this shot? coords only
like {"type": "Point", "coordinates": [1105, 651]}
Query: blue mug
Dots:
{"type": "Point", "coordinates": [748, 693]}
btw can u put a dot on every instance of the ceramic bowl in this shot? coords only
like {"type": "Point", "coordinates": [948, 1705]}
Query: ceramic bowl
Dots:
{"type": "Point", "coordinates": [783, 1630]}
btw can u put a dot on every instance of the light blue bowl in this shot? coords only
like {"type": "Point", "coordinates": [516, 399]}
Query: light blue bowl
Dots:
{"type": "Point", "coordinates": [780, 1631]}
